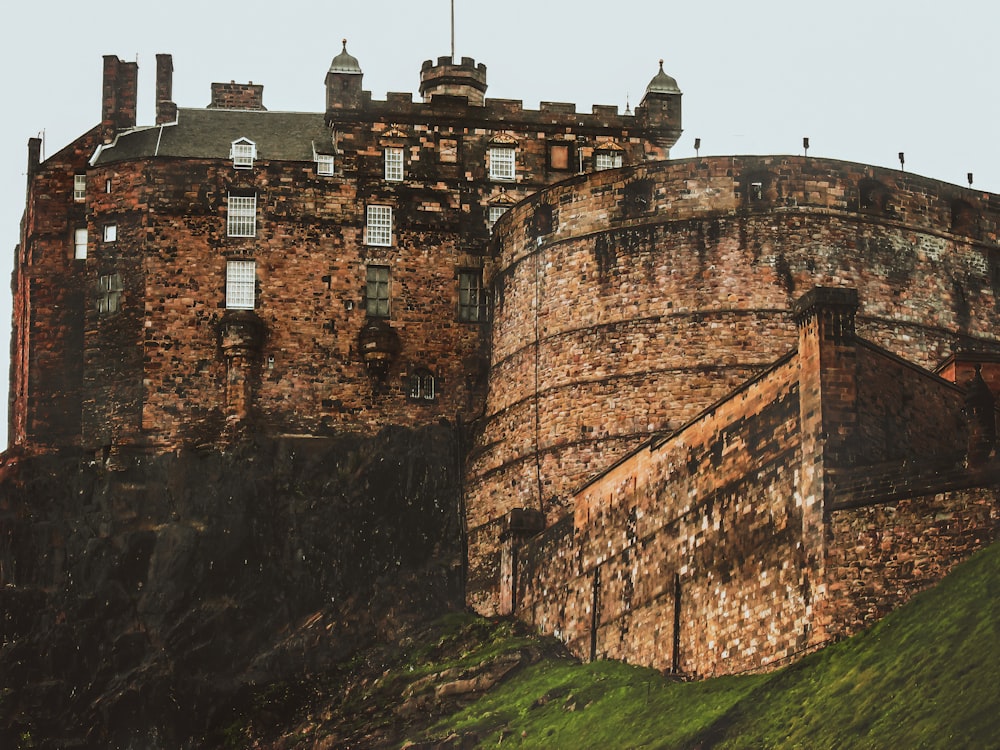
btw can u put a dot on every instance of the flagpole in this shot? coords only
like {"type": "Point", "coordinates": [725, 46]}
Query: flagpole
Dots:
{"type": "Point", "coordinates": [453, 30]}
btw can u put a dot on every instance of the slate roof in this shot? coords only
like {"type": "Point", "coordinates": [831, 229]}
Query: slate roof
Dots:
{"type": "Point", "coordinates": [209, 133]}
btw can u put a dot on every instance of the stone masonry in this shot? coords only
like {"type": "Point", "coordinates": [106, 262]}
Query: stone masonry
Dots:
{"type": "Point", "coordinates": [714, 412]}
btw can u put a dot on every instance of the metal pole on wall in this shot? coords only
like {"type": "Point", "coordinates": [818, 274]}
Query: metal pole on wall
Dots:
{"type": "Point", "coordinates": [453, 30]}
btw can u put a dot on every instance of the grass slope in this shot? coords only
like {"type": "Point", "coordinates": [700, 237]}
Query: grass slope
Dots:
{"type": "Point", "coordinates": [926, 676]}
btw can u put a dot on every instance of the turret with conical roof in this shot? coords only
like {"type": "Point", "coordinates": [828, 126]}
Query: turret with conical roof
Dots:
{"type": "Point", "coordinates": [343, 81]}
{"type": "Point", "coordinates": [661, 106]}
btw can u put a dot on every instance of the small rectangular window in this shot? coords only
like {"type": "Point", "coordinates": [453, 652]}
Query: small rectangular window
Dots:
{"type": "Point", "coordinates": [109, 294]}
{"type": "Point", "coordinates": [494, 213]}
{"type": "Point", "coordinates": [324, 164]}
{"type": "Point", "coordinates": [607, 160]}
{"type": "Point", "coordinates": [79, 187]}
{"type": "Point", "coordinates": [110, 232]}
{"type": "Point", "coordinates": [501, 163]}
{"type": "Point", "coordinates": [394, 164]}
{"type": "Point", "coordinates": [241, 216]}
{"type": "Point", "coordinates": [241, 281]}
{"type": "Point", "coordinates": [379, 226]}
{"type": "Point", "coordinates": [473, 305]}
{"type": "Point", "coordinates": [377, 291]}
{"type": "Point", "coordinates": [243, 153]}
{"type": "Point", "coordinates": [422, 386]}
{"type": "Point", "coordinates": [80, 244]}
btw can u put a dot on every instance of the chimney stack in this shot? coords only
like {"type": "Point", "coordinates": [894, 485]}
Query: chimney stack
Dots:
{"type": "Point", "coordinates": [166, 110]}
{"type": "Point", "coordinates": [234, 95]}
{"type": "Point", "coordinates": [120, 93]}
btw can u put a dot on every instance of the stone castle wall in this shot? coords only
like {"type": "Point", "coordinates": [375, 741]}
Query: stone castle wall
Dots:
{"type": "Point", "coordinates": [699, 553]}
{"type": "Point", "coordinates": [629, 300]}
{"type": "Point", "coordinates": [692, 541]}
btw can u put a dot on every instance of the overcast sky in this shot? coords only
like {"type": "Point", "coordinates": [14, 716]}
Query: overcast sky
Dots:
{"type": "Point", "coordinates": [863, 80]}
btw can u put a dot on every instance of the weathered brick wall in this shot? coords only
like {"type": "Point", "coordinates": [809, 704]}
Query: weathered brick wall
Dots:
{"type": "Point", "coordinates": [878, 556]}
{"type": "Point", "coordinates": [711, 519]}
{"type": "Point", "coordinates": [310, 259]}
{"type": "Point", "coordinates": [629, 300]}
{"type": "Point", "coordinates": [49, 288]}
{"type": "Point", "coordinates": [906, 413]}
{"type": "Point", "coordinates": [156, 372]}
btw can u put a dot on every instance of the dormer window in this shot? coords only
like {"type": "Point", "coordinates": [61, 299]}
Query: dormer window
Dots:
{"type": "Point", "coordinates": [243, 153]}
{"type": "Point", "coordinates": [324, 164]}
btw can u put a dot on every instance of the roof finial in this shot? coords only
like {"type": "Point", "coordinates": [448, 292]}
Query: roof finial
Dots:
{"type": "Point", "coordinates": [344, 42]}
{"type": "Point", "coordinates": [661, 61]}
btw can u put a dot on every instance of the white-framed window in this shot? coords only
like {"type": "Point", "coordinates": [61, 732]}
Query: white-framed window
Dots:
{"type": "Point", "coordinates": [109, 294]}
{"type": "Point", "coordinates": [241, 216]}
{"type": "Point", "coordinates": [494, 213]}
{"type": "Point", "coordinates": [607, 160]}
{"type": "Point", "coordinates": [110, 232]}
{"type": "Point", "coordinates": [80, 243]}
{"type": "Point", "coordinates": [79, 187]}
{"type": "Point", "coordinates": [379, 226]}
{"type": "Point", "coordinates": [377, 291]}
{"type": "Point", "coordinates": [394, 164]}
{"type": "Point", "coordinates": [473, 304]}
{"type": "Point", "coordinates": [501, 162]}
{"type": "Point", "coordinates": [241, 282]}
{"type": "Point", "coordinates": [423, 386]}
{"type": "Point", "coordinates": [243, 152]}
{"type": "Point", "coordinates": [324, 164]}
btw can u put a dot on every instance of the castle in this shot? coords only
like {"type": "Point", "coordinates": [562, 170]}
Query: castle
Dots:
{"type": "Point", "coordinates": [720, 411]}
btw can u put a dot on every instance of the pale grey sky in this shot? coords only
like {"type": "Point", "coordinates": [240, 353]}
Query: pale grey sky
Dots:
{"type": "Point", "coordinates": [863, 80]}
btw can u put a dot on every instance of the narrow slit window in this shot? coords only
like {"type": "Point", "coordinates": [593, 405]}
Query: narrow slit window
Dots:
{"type": "Point", "coordinates": [80, 244]}
{"type": "Point", "coordinates": [241, 281]}
{"type": "Point", "coordinates": [377, 291]}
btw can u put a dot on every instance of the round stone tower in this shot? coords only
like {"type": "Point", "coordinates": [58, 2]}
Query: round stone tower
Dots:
{"type": "Point", "coordinates": [450, 79]}
{"type": "Point", "coordinates": [343, 81]}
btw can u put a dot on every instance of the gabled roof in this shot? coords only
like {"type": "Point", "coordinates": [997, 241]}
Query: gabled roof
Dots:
{"type": "Point", "coordinates": [210, 133]}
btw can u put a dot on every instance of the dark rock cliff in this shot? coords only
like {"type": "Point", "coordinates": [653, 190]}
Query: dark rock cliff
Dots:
{"type": "Point", "coordinates": [140, 605]}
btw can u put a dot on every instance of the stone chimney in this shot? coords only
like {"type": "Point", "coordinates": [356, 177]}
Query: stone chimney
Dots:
{"type": "Point", "coordinates": [120, 92]}
{"type": "Point", "coordinates": [450, 79]}
{"type": "Point", "coordinates": [234, 95]}
{"type": "Point", "coordinates": [166, 110]}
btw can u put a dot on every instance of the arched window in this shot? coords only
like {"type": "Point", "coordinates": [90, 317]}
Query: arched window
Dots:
{"type": "Point", "coordinates": [423, 385]}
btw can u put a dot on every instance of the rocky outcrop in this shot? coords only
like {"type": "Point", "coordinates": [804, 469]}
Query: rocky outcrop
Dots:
{"type": "Point", "coordinates": [141, 605]}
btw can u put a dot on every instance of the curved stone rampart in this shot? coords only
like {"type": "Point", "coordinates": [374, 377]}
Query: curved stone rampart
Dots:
{"type": "Point", "coordinates": [629, 300]}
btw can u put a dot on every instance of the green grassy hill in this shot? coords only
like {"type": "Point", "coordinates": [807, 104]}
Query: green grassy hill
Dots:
{"type": "Point", "coordinates": [927, 676]}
